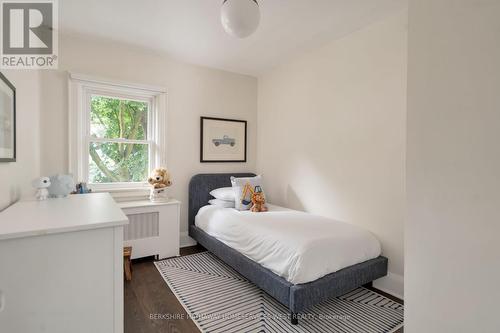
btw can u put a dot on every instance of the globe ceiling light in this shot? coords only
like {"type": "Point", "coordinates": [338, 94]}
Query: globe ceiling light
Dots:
{"type": "Point", "coordinates": [240, 18]}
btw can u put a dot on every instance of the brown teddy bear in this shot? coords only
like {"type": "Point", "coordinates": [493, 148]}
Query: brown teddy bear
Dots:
{"type": "Point", "coordinates": [258, 202]}
{"type": "Point", "coordinates": [160, 178]}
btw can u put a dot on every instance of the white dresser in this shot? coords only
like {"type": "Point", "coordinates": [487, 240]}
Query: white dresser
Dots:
{"type": "Point", "coordinates": [61, 266]}
{"type": "Point", "coordinates": [153, 229]}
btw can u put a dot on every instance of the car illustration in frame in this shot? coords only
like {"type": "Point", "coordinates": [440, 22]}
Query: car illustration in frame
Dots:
{"type": "Point", "coordinates": [226, 140]}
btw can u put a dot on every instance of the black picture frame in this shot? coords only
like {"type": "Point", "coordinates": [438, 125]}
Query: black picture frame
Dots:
{"type": "Point", "coordinates": [203, 160]}
{"type": "Point", "coordinates": [11, 86]}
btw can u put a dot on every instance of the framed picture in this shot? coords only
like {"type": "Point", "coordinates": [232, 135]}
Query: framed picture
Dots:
{"type": "Point", "coordinates": [223, 140]}
{"type": "Point", "coordinates": [7, 120]}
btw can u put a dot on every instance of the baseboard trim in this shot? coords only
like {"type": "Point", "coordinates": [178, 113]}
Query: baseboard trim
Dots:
{"type": "Point", "coordinates": [185, 240]}
{"type": "Point", "coordinates": [392, 284]}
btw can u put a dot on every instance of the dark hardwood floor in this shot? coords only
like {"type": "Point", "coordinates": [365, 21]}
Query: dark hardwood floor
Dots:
{"type": "Point", "coordinates": [149, 302]}
{"type": "Point", "coordinates": [150, 306]}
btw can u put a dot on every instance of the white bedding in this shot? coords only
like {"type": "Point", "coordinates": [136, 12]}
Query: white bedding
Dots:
{"type": "Point", "coordinates": [298, 246]}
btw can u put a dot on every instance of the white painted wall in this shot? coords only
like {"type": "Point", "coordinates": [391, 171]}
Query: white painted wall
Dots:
{"type": "Point", "coordinates": [192, 91]}
{"type": "Point", "coordinates": [16, 177]}
{"type": "Point", "coordinates": [331, 134]}
{"type": "Point", "coordinates": [453, 167]}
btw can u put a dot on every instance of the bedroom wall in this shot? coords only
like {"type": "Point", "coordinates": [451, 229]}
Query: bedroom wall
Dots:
{"type": "Point", "coordinates": [192, 91]}
{"type": "Point", "coordinates": [453, 167]}
{"type": "Point", "coordinates": [331, 134]}
{"type": "Point", "coordinates": [16, 177]}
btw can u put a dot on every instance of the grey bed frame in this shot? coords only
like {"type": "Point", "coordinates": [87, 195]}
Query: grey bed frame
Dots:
{"type": "Point", "coordinates": [296, 297]}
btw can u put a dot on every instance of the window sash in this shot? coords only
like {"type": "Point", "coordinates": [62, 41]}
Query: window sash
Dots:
{"type": "Point", "coordinates": [89, 139]}
{"type": "Point", "coordinates": [114, 184]}
{"type": "Point", "coordinates": [121, 96]}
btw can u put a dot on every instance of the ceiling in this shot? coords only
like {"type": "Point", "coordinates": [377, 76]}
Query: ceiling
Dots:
{"type": "Point", "coordinates": [190, 30]}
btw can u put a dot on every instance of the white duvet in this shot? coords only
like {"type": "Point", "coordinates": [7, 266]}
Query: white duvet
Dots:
{"type": "Point", "coordinates": [298, 246]}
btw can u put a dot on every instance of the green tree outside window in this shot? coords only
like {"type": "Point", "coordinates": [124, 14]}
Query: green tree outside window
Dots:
{"type": "Point", "coordinates": [119, 146]}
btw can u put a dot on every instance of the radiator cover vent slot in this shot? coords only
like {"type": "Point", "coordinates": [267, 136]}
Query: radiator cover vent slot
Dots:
{"type": "Point", "coordinates": [144, 225]}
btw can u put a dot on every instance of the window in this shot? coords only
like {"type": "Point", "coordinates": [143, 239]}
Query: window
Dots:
{"type": "Point", "coordinates": [115, 134]}
{"type": "Point", "coordinates": [119, 146]}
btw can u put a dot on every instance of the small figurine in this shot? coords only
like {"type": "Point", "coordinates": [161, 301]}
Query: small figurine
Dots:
{"type": "Point", "coordinates": [82, 188]}
{"type": "Point", "coordinates": [41, 184]}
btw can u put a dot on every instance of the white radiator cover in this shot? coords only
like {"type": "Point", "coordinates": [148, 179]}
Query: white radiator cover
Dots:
{"type": "Point", "coordinates": [153, 228]}
{"type": "Point", "coordinates": [142, 225]}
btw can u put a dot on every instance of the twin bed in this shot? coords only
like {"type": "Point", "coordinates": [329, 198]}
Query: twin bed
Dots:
{"type": "Point", "coordinates": [298, 258]}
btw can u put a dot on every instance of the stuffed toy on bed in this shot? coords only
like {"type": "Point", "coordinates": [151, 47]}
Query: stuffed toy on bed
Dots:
{"type": "Point", "coordinates": [258, 202]}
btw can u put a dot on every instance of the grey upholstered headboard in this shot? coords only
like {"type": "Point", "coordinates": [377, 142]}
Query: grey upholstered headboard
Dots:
{"type": "Point", "coordinates": [201, 185]}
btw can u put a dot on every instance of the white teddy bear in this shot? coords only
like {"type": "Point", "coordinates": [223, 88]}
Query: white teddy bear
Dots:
{"type": "Point", "coordinates": [41, 184]}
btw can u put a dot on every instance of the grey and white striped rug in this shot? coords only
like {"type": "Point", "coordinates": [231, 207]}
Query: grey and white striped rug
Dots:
{"type": "Point", "coordinates": [218, 299]}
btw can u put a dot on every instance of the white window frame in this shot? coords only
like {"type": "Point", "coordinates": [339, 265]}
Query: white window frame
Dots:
{"type": "Point", "coordinates": [81, 88]}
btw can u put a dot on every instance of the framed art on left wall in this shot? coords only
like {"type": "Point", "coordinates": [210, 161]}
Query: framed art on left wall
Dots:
{"type": "Point", "coordinates": [223, 140]}
{"type": "Point", "coordinates": [7, 120]}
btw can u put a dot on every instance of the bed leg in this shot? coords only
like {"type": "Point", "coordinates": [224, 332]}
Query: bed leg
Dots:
{"type": "Point", "coordinates": [294, 318]}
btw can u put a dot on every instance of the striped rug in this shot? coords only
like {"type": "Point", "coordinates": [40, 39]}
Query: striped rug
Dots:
{"type": "Point", "coordinates": [218, 299]}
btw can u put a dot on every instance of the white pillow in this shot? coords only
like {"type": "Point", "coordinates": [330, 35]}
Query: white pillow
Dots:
{"type": "Point", "coordinates": [221, 203]}
{"type": "Point", "coordinates": [223, 193]}
{"type": "Point", "coordinates": [242, 188]}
